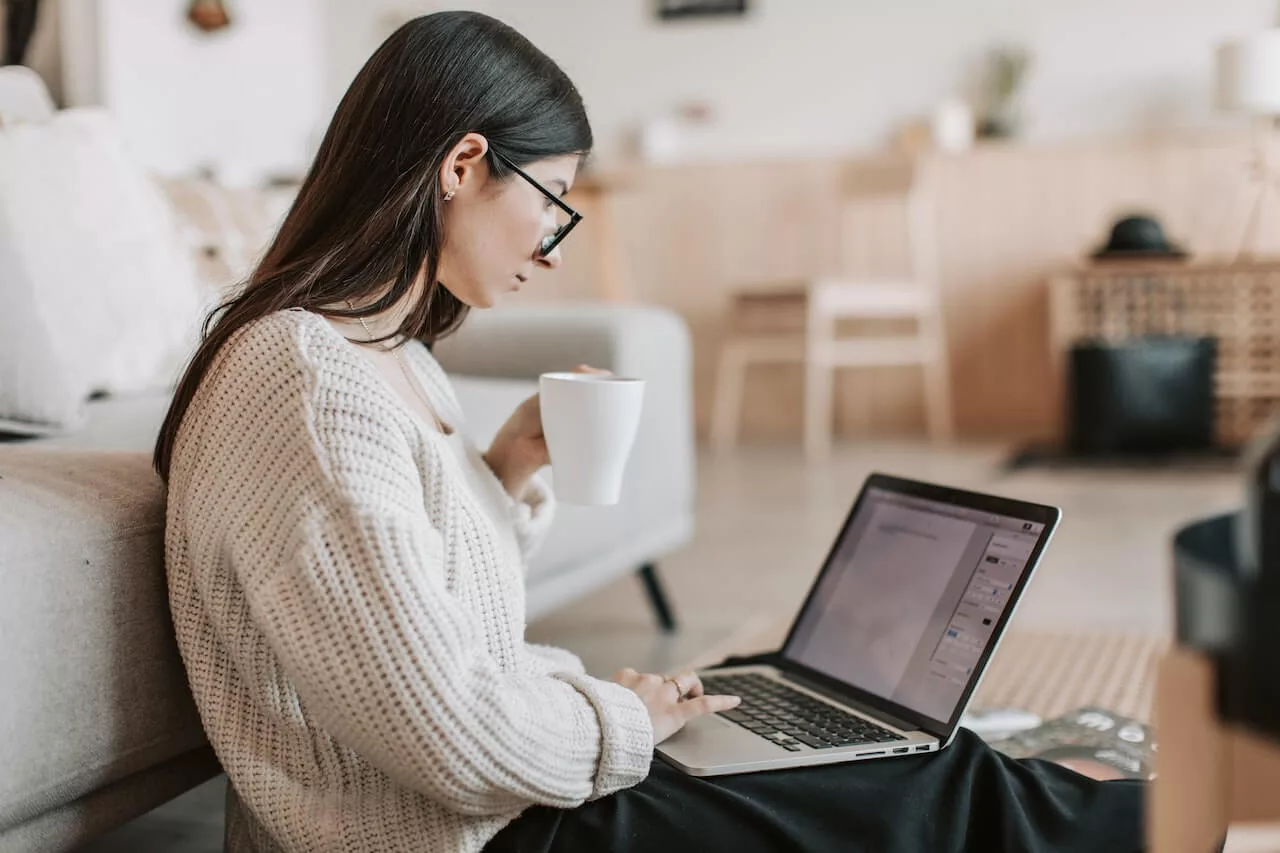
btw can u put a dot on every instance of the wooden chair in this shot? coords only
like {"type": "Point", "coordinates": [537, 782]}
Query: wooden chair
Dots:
{"type": "Point", "coordinates": [758, 331]}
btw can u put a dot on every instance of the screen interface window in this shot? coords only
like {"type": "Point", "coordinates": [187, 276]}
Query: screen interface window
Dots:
{"type": "Point", "coordinates": [913, 598]}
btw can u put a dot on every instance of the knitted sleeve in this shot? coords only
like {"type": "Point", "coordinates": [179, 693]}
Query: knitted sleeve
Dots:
{"type": "Point", "coordinates": [551, 660]}
{"type": "Point", "coordinates": [350, 594]}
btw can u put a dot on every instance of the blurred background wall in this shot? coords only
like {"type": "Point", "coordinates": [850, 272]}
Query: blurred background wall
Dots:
{"type": "Point", "coordinates": [790, 77]}
{"type": "Point", "coordinates": [802, 76]}
{"type": "Point", "coordinates": [720, 143]}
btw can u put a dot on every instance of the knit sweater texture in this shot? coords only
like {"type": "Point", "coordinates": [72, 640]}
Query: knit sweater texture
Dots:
{"type": "Point", "coordinates": [347, 588]}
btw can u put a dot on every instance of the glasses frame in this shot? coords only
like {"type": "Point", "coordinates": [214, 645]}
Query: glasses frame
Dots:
{"type": "Point", "coordinates": [549, 242]}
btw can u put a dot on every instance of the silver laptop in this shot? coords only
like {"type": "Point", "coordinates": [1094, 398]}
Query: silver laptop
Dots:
{"type": "Point", "coordinates": [892, 641]}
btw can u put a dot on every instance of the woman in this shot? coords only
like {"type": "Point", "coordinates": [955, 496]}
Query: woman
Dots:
{"type": "Point", "coordinates": [346, 569]}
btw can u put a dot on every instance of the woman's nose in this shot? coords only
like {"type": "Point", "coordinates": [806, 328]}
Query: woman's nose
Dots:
{"type": "Point", "coordinates": [549, 261]}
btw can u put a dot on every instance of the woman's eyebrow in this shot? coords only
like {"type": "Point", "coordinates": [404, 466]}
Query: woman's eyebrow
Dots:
{"type": "Point", "coordinates": [564, 186]}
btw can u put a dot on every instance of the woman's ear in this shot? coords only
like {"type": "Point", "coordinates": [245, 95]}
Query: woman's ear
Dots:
{"type": "Point", "coordinates": [464, 168]}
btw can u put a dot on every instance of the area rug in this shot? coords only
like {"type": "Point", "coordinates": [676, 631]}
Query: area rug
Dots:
{"type": "Point", "coordinates": [1058, 458]}
{"type": "Point", "coordinates": [1047, 673]}
{"type": "Point", "coordinates": [1052, 673]}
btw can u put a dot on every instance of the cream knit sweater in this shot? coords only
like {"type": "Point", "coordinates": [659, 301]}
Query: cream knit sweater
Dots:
{"type": "Point", "coordinates": [349, 605]}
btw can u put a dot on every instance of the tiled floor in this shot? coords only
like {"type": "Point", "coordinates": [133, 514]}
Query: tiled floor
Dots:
{"type": "Point", "coordinates": [765, 522]}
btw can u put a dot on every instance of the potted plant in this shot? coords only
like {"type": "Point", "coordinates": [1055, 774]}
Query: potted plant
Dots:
{"type": "Point", "coordinates": [1006, 71]}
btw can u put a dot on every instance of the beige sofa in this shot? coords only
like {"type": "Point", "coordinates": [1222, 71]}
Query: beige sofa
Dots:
{"type": "Point", "coordinates": [96, 724]}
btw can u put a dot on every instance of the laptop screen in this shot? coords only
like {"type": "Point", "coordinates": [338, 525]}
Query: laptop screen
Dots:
{"type": "Point", "coordinates": [912, 595]}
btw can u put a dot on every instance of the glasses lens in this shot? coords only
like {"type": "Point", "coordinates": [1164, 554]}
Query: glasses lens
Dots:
{"type": "Point", "coordinates": [561, 218]}
{"type": "Point", "coordinates": [550, 242]}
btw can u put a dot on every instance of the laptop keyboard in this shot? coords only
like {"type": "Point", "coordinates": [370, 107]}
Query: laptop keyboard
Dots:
{"type": "Point", "coordinates": [790, 718]}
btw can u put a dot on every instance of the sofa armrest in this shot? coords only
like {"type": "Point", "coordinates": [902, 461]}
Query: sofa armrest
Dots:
{"type": "Point", "coordinates": [521, 342]}
{"type": "Point", "coordinates": [524, 341]}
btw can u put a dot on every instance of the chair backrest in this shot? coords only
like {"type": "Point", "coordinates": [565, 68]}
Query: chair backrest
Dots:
{"type": "Point", "coordinates": [23, 96]}
{"type": "Point", "coordinates": [887, 220]}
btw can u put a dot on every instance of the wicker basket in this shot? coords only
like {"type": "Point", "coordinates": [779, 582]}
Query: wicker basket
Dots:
{"type": "Point", "coordinates": [1237, 303]}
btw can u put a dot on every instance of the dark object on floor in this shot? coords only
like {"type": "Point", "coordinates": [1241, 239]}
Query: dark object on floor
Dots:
{"type": "Point", "coordinates": [1230, 611]}
{"type": "Point", "coordinates": [1138, 237]}
{"type": "Point", "coordinates": [1142, 395]}
{"type": "Point", "coordinates": [1059, 458]}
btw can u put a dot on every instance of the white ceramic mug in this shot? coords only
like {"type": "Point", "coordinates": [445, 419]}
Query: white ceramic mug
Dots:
{"type": "Point", "coordinates": [590, 421]}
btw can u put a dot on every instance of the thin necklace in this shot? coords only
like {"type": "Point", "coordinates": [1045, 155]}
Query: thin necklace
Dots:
{"type": "Point", "coordinates": [408, 377]}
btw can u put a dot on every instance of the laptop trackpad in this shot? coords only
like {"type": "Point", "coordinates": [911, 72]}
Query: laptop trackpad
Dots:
{"type": "Point", "coordinates": [709, 740]}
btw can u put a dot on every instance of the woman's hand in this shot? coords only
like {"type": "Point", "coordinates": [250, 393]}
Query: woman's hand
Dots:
{"type": "Point", "coordinates": [520, 449]}
{"type": "Point", "coordinates": [673, 701]}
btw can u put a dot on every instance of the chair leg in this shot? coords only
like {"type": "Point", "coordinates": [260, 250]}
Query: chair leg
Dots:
{"type": "Point", "coordinates": [937, 390]}
{"type": "Point", "coordinates": [819, 378]}
{"type": "Point", "coordinates": [657, 597]}
{"type": "Point", "coordinates": [726, 407]}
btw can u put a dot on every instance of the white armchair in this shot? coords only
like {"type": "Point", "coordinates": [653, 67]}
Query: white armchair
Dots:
{"type": "Point", "coordinates": [495, 360]}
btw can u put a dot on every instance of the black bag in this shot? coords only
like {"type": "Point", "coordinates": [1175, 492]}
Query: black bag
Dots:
{"type": "Point", "coordinates": [1143, 395]}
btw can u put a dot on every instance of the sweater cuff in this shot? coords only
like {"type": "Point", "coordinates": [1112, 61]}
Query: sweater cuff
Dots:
{"type": "Point", "coordinates": [626, 733]}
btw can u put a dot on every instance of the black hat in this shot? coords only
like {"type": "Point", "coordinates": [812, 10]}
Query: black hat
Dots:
{"type": "Point", "coordinates": [1138, 237]}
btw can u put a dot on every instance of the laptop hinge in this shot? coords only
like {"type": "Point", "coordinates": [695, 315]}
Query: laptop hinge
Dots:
{"type": "Point", "coordinates": [843, 699]}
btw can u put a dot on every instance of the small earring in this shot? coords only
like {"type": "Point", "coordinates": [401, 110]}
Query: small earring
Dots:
{"type": "Point", "coordinates": [448, 196]}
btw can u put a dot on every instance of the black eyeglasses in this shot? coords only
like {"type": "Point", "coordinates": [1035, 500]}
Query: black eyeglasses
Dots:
{"type": "Point", "coordinates": [549, 242]}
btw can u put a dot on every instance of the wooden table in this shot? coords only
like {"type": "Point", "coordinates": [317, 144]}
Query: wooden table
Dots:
{"type": "Point", "coordinates": [1209, 774]}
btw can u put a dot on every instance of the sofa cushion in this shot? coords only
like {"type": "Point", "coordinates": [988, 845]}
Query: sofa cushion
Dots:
{"type": "Point", "coordinates": [119, 422]}
{"type": "Point", "coordinates": [98, 290]}
{"type": "Point", "coordinates": [94, 687]}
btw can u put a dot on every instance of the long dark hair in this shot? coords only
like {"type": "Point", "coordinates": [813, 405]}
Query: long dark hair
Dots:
{"type": "Point", "coordinates": [368, 214]}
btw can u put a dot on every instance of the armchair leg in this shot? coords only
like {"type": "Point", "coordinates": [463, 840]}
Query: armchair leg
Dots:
{"type": "Point", "coordinates": [657, 596]}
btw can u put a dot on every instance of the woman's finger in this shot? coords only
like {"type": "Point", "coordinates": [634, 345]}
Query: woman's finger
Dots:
{"type": "Point", "coordinates": [586, 368]}
{"type": "Point", "coordinates": [707, 705]}
{"type": "Point", "coordinates": [688, 684]}
{"type": "Point", "coordinates": [651, 680]}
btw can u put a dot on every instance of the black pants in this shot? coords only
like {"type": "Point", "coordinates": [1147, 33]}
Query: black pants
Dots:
{"type": "Point", "coordinates": [966, 797]}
